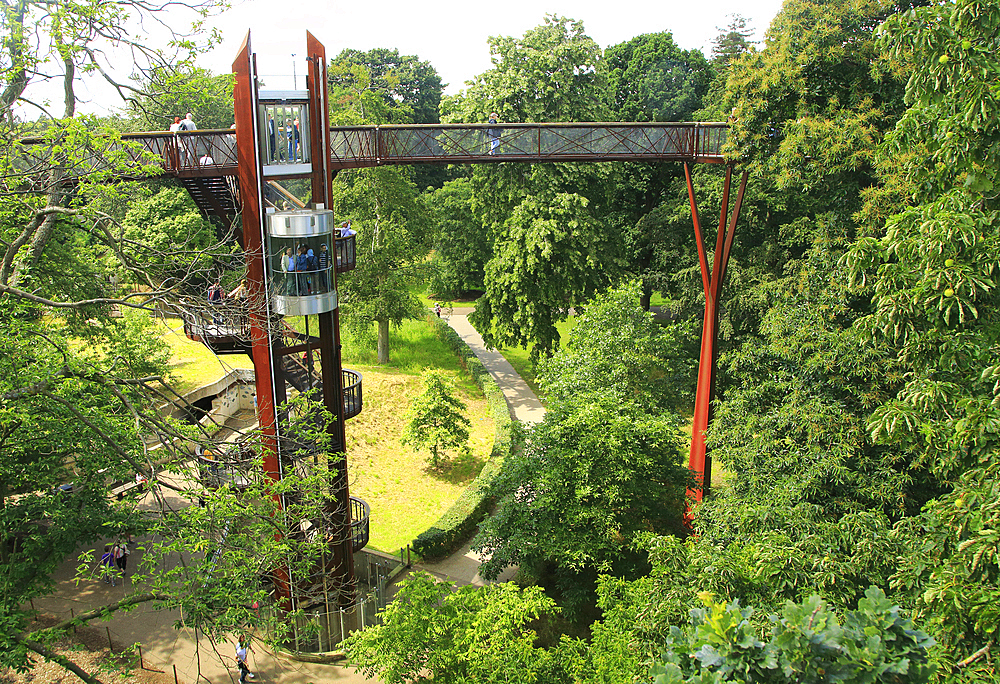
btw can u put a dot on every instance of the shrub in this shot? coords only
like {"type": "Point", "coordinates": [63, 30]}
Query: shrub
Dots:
{"type": "Point", "coordinates": [807, 644]}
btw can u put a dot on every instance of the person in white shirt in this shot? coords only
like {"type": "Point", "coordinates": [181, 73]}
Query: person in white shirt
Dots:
{"type": "Point", "coordinates": [242, 649]}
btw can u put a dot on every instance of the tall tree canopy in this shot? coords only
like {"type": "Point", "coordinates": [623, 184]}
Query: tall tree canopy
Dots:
{"type": "Point", "coordinates": [552, 73]}
{"type": "Point", "coordinates": [651, 79]}
{"type": "Point", "coordinates": [399, 79]}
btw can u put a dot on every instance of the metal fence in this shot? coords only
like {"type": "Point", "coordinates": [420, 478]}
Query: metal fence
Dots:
{"type": "Point", "coordinates": [321, 629]}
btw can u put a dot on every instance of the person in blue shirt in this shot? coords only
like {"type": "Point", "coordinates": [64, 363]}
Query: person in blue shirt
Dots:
{"type": "Point", "coordinates": [301, 268]}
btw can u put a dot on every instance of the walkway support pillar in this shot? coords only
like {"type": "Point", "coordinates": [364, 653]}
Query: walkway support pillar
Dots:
{"type": "Point", "coordinates": [270, 393]}
{"type": "Point", "coordinates": [712, 279]}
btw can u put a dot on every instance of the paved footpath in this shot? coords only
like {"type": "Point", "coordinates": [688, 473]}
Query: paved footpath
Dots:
{"type": "Point", "coordinates": [523, 403]}
{"type": "Point", "coordinates": [462, 567]}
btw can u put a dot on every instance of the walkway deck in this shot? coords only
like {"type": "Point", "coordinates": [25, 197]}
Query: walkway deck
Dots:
{"type": "Point", "coordinates": [212, 153]}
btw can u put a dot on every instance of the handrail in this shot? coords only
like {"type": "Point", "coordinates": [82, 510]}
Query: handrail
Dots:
{"type": "Point", "coordinates": [360, 517]}
{"type": "Point", "coordinates": [213, 152]}
{"type": "Point", "coordinates": [353, 399]}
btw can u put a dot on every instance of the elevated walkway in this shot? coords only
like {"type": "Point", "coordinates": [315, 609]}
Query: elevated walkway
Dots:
{"type": "Point", "coordinates": [206, 162]}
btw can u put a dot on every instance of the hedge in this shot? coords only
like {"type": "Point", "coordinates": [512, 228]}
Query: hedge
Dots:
{"type": "Point", "coordinates": [458, 522]}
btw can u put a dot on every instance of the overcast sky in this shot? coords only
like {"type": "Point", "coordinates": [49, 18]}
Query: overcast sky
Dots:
{"type": "Point", "coordinates": [452, 35]}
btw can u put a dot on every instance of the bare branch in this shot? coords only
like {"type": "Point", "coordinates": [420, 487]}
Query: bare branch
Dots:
{"type": "Point", "coordinates": [61, 660]}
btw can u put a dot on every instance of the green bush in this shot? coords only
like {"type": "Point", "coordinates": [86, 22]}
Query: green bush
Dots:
{"type": "Point", "coordinates": [459, 521]}
{"type": "Point", "coordinates": [807, 644]}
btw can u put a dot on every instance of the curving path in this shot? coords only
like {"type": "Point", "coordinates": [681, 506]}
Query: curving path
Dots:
{"type": "Point", "coordinates": [524, 405]}
{"type": "Point", "coordinates": [462, 567]}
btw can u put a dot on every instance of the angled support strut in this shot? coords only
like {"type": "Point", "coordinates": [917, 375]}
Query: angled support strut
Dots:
{"type": "Point", "coordinates": [712, 279]}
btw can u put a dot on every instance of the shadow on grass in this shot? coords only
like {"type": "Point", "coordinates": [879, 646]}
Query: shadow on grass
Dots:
{"type": "Point", "coordinates": [461, 469]}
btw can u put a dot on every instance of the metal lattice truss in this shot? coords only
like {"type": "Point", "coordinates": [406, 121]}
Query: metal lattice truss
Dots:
{"type": "Point", "coordinates": [463, 143]}
{"type": "Point", "coordinates": [134, 155]}
{"type": "Point", "coordinates": [192, 154]}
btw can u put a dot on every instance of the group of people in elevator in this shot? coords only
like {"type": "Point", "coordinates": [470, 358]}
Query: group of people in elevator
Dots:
{"type": "Point", "coordinates": [306, 272]}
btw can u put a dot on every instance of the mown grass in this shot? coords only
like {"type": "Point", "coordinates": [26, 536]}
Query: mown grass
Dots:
{"type": "Point", "coordinates": [192, 363]}
{"type": "Point", "coordinates": [406, 496]}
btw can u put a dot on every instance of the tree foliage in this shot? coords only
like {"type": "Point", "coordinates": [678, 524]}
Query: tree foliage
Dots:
{"type": "Point", "coordinates": [400, 80]}
{"type": "Point", "coordinates": [393, 239]}
{"type": "Point", "coordinates": [468, 634]}
{"type": "Point", "coordinates": [651, 79]}
{"type": "Point", "coordinates": [549, 260]}
{"type": "Point", "coordinates": [462, 243]}
{"type": "Point", "coordinates": [807, 643]}
{"type": "Point", "coordinates": [175, 90]}
{"type": "Point", "coordinates": [436, 419]}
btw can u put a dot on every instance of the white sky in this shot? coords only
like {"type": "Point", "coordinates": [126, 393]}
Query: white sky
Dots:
{"type": "Point", "coordinates": [452, 35]}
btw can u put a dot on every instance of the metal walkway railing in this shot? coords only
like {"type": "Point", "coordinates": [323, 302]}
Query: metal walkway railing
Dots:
{"type": "Point", "coordinates": [191, 154]}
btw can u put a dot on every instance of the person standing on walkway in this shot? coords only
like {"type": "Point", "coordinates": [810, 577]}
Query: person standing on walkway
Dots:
{"type": "Point", "coordinates": [108, 565]}
{"type": "Point", "coordinates": [437, 309]}
{"type": "Point", "coordinates": [494, 132]}
{"type": "Point", "coordinates": [242, 649]}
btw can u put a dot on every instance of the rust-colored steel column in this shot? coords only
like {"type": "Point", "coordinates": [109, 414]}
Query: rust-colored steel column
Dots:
{"type": "Point", "coordinates": [251, 195]}
{"type": "Point", "coordinates": [249, 173]}
{"type": "Point", "coordinates": [329, 326]}
{"type": "Point", "coordinates": [712, 279]}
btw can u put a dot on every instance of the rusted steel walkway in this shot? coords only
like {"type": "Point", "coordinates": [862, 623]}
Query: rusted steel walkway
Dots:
{"type": "Point", "coordinates": [212, 154]}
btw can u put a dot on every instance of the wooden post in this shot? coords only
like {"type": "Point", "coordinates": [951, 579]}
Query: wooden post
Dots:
{"type": "Point", "coordinates": [72, 617]}
{"type": "Point", "coordinates": [111, 647]}
{"type": "Point", "coordinates": [175, 675]}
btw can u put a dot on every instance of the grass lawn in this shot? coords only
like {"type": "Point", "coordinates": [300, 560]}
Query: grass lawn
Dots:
{"type": "Point", "coordinates": [192, 364]}
{"type": "Point", "coordinates": [466, 299]}
{"type": "Point", "coordinates": [406, 496]}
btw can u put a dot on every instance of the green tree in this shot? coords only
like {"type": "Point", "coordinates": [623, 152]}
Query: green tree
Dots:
{"type": "Point", "coordinates": [590, 477]}
{"type": "Point", "coordinates": [393, 240]}
{"type": "Point", "coordinates": [469, 634]}
{"type": "Point", "coordinates": [807, 643]}
{"type": "Point", "coordinates": [165, 225]}
{"type": "Point", "coordinates": [436, 420]}
{"type": "Point", "coordinates": [550, 258]}
{"type": "Point", "coordinates": [616, 349]}
{"type": "Point", "coordinates": [733, 41]}
{"type": "Point", "coordinates": [408, 90]}
{"type": "Point", "coordinates": [174, 91]}
{"type": "Point", "coordinates": [552, 73]}
{"type": "Point", "coordinates": [462, 244]}
{"type": "Point", "coordinates": [651, 79]}
{"type": "Point", "coordinates": [398, 79]}
{"type": "Point", "coordinates": [932, 277]}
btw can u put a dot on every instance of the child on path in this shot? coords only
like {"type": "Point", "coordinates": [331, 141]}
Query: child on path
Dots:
{"type": "Point", "coordinates": [108, 565]}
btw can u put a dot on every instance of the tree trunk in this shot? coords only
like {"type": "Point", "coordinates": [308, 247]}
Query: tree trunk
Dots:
{"type": "Point", "coordinates": [383, 340]}
{"type": "Point", "coordinates": [646, 296]}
